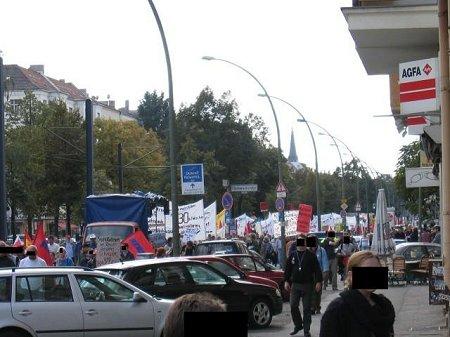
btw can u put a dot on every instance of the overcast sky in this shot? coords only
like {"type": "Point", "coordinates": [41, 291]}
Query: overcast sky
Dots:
{"type": "Point", "coordinates": [300, 50]}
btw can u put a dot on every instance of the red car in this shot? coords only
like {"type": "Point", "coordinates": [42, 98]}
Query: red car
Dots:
{"type": "Point", "coordinates": [253, 266]}
{"type": "Point", "coordinates": [231, 270]}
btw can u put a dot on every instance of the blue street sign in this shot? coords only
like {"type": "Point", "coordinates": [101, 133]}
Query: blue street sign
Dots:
{"type": "Point", "coordinates": [192, 179]}
{"type": "Point", "coordinates": [279, 204]}
{"type": "Point", "coordinates": [227, 201]}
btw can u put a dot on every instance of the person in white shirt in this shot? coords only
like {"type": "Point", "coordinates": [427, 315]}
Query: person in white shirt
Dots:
{"type": "Point", "coordinates": [53, 247]}
{"type": "Point", "coordinates": [32, 260]}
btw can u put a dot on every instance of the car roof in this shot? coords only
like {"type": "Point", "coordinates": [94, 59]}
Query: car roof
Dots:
{"type": "Point", "coordinates": [145, 262]}
{"type": "Point", "coordinates": [234, 255]}
{"type": "Point", "coordinates": [220, 241]}
{"type": "Point", "coordinates": [42, 270]}
{"type": "Point", "coordinates": [410, 244]}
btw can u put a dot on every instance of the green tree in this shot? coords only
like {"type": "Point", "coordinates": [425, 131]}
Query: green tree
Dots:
{"type": "Point", "coordinates": [153, 113]}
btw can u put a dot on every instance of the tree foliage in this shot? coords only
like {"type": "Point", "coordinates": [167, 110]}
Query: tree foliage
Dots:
{"type": "Point", "coordinates": [153, 113]}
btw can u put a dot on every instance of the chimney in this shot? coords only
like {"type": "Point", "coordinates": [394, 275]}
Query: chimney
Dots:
{"type": "Point", "coordinates": [63, 81]}
{"type": "Point", "coordinates": [84, 92]}
{"type": "Point", "coordinates": [112, 104]}
{"type": "Point", "coordinates": [127, 106]}
{"type": "Point", "coordinates": [39, 68]}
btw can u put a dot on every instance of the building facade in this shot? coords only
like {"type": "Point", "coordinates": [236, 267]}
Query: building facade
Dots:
{"type": "Point", "coordinates": [19, 80]}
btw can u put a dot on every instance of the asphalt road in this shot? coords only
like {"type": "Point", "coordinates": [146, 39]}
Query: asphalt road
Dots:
{"type": "Point", "coordinates": [414, 317]}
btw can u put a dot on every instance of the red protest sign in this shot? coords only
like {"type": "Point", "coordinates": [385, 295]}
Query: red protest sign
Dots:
{"type": "Point", "coordinates": [304, 218]}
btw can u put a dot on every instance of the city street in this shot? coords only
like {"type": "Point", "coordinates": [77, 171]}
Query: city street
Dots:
{"type": "Point", "coordinates": [414, 317]}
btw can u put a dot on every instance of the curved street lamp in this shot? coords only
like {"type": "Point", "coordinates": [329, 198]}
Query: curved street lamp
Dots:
{"type": "Point", "coordinates": [172, 126]}
{"type": "Point", "coordinates": [280, 175]}
{"type": "Point", "coordinates": [315, 154]}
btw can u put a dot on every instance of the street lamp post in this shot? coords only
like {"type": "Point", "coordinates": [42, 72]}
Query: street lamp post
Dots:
{"type": "Point", "coordinates": [3, 224]}
{"type": "Point", "coordinates": [280, 174]}
{"type": "Point", "coordinates": [319, 222]}
{"type": "Point", "coordinates": [172, 150]}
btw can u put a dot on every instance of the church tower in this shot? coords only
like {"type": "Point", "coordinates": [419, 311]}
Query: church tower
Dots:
{"type": "Point", "coordinates": [292, 151]}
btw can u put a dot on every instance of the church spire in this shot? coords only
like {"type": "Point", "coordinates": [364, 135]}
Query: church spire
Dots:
{"type": "Point", "coordinates": [292, 151]}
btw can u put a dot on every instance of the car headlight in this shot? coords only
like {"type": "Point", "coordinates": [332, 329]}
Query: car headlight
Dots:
{"type": "Point", "coordinates": [278, 292]}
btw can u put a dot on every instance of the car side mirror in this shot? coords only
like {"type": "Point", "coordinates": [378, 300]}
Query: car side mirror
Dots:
{"type": "Point", "coordinates": [138, 298]}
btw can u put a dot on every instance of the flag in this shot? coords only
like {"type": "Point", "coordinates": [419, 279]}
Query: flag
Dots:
{"type": "Point", "coordinates": [28, 241]}
{"type": "Point", "coordinates": [220, 224]}
{"type": "Point", "coordinates": [248, 229]}
{"type": "Point", "coordinates": [18, 242]}
{"type": "Point", "coordinates": [41, 244]}
{"type": "Point", "coordinates": [138, 243]}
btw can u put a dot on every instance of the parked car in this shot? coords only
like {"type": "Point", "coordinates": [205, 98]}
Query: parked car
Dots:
{"type": "Point", "coordinates": [255, 266]}
{"type": "Point", "coordinates": [75, 302]}
{"type": "Point", "coordinates": [174, 277]}
{"type": "Point", "coordinates": [414, 251]}
{"type": "Point", "coordinates": [221, 247]}
{"type": "Point", "coordinates": [399, 241]}
{"type": "Point", "coordinates": [231, 270]}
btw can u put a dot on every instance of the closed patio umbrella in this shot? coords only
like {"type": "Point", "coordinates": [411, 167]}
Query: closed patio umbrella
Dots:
{"type": "Point", "coordinates": [382, 242]}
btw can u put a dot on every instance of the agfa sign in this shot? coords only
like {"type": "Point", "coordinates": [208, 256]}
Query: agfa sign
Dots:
{"type": "Point", "coordinates": [418, 86]}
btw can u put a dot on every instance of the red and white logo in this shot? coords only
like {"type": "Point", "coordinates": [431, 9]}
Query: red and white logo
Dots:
{"type": "Point", "coordinates": [427, 69]}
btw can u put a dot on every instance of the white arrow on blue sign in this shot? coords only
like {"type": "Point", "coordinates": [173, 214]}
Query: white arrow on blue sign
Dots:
{"type": "Point", "coordinates": [192, 179]}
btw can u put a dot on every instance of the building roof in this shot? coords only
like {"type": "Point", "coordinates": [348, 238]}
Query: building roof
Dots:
{"type": "Point", "coordinates": [28, 79]}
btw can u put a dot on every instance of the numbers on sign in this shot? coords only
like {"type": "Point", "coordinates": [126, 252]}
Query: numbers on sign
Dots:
{"type": "Point", "coordinates": [183, 218]}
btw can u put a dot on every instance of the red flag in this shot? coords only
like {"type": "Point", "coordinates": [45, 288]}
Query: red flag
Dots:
{"type": "Point", "coordinates": [138, 243]}
{"type": "Point", "coordinates": [304, 218]}
{"type": "Point", "coordinates": [41, 245]}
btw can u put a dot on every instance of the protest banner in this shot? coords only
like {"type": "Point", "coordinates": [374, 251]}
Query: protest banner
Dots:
{"type": "Point", "coordinates": [108, 250]}
{"type": "Point", "coordinates": [220, 224]}
{"type": "Point", "coordinates": [191, 220]}
{"type": "Point", "coordinates": [290, 221]}
{"type": "Point", "coordinates": [304, 218]}
{"type": "Point", "coordinates": [210, 219]}
{"type": "Point", "coordinates": [241, 222]}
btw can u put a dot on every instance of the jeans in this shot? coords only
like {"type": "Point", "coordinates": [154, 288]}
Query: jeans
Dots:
{"type": "Point", "coordinates": [332, 274]}
{"type": "Point", "coordinates": [303, 291]}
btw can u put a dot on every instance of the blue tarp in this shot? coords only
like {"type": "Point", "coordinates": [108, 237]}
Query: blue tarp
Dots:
{"type": "Point", "coordinates": [118, 207]}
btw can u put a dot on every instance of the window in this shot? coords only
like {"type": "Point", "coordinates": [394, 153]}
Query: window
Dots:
{"type": "Point", "coordinates": [14, 103]}
{"type": "Point", "coordinates": [44, 288]}
{"type": "Point", "coordinates": [434, 251]}
{"type": "Point", "coordinates": [204, 276]}
{"type": "Point", "coordinates": [216, 247]}
{"type": "Point", "coordinates": [245, 263]}
{"type": "Point", "coordinates": [145, 278]}
{"type": "Point", "coordinates": [102, 289]}
{"type": "Point", "coordinates": [170, 275]}
{"type": "Point", "coordinates": [5, 289]}
{"type": "Point", "coordinates": [260, 266]}
{"type": "Point", "coordinates": [225, 269]}
{"type": "Point", "coordinates": [414, 253]}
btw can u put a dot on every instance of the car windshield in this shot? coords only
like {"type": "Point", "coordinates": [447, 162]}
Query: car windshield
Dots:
{"type": "Point", "coordinates": [216, 247]}
{"type": "Point", "coordinates": [225, 269]}
{"type": "Point", "coordinates": [121, 231]}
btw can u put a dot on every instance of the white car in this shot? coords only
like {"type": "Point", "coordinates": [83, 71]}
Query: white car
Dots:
{"type": "Point", "coordinates": [75, 302]}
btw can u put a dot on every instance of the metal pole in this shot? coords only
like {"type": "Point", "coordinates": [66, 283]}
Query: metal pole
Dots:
{"type": "Point", "coordinates": [3, 224]}
{"type": "Point", "coordinates": [89, 148]}
{"type": "Point", "coordinates": [280, 153]}
{"type": "Point", "coordinates": [420, 208]}
{"type": "Point", "coordinates": [445, 130]}
{"type": "Point", "coordinates": [319, 222]}
{"type": "Point", "coordinates": [172, 132]}
{"type": "Point", "coordinates": [120, 166]}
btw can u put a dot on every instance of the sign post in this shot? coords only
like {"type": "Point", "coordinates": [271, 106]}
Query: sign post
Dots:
{"type": "Point", "coordinates": [244, 188]}
{"type": "Point", "coordinates": [192, 179]}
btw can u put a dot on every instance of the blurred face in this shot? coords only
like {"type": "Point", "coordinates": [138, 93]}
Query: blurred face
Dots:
{"type": "Point", "coordinates": [32, 249]}
{"type": "Point", "coordinates": [51, 240]}
{"type": "Point", "coordinates": [372, 262]}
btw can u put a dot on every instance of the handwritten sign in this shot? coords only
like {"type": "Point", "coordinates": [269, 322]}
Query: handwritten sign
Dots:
{"type": "Point", "coordinates": [438, 291]}
{"type": "Point", "coordinates": [108, 250]}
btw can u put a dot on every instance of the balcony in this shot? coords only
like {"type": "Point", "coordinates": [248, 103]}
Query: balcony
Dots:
{"type": "Point", "coordinates": [387, 33]}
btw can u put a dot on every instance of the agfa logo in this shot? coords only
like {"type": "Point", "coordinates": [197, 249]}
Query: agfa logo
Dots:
{"type": "Point", "coordinates": [427, 69]}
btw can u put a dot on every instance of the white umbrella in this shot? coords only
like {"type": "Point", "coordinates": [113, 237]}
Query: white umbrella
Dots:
{"type": "Point", "coordinates": [382, 242]}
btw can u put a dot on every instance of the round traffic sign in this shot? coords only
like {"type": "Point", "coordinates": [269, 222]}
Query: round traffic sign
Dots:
{"type": "Point", "coordinates": [227, 201]}
{"type": "Point", "coordinates": [279, 204]}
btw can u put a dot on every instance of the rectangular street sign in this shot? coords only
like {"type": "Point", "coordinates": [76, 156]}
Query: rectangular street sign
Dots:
{"type": "Point", "coordinates": [244, 188]}
{"type": "Point", "coordinates": [281, 194]}
{"type": "Point", "coordinates": [192, 179]}
{"type": "Point", "coordinates": [420, 177]}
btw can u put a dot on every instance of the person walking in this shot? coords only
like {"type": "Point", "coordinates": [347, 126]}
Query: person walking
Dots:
{"type": "Point", "coordinates": [329, 244]}
{"type": "Point", "coordinates": [321, 255]}
{"type": "Point", "coordinates": [302, 269]}
{"type": "Point", "coordinates": [6, 260]}
{"type": "Point", "coordinates": [87, 257]}
{"type": "Point", "coordinates": [32, 260]}
{"type": "Point", "coordinates": [62, 260]}
{"type": "Point", "coordinates": [345, 249]}
{"type": "Point", "coordinates": [125, 254]}
{"type": "Point", "coordinates": [359, 312]}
